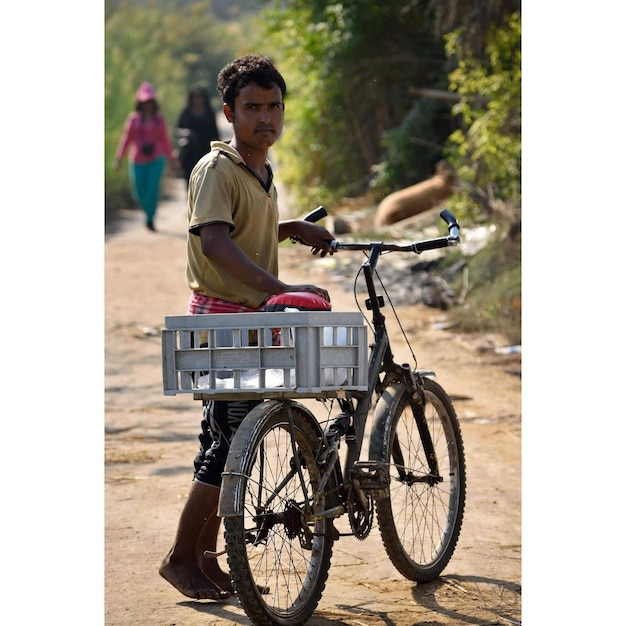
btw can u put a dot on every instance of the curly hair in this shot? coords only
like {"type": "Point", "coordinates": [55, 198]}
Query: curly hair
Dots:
{"type": "Point", "coordinates": [251, 68]}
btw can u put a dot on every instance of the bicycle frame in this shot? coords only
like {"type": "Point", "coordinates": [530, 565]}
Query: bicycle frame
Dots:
{"type": "Point", "coordinates": [372, 474]}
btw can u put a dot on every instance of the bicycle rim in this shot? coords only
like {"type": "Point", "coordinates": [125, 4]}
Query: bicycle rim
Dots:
{"type": "Point", "coordinates": [421, 519]}
{"type": "Point", "coordinates": [275, 546]}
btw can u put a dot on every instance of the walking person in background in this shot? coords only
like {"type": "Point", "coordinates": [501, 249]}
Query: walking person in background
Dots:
{"type": "Point", "coordinates": [196, 129]}
{"type": "Point", "coordinates": [232, 267]}
{"type": "Point", "coordinates": [147, 142]}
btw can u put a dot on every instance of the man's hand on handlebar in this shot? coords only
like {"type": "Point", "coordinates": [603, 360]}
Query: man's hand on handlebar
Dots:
{"type": "Point", "coordinates": [310, 234]}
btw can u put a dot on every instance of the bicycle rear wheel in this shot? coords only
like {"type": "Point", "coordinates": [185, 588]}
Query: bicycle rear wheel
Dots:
{"type": "Point", "coordinates": [278, 552]}
{"type": "Point", "coordinates": [421, 518]}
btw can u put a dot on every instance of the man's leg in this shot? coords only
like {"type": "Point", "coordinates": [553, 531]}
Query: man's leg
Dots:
{"type": "Point", "coordinates": [210, 565]}
{"type": "Point", "coordinates": [199, 522]}
{"type": "Point", "coordinates": [221, 421]}
{"type": "Point", "coordinates": [180, 566]}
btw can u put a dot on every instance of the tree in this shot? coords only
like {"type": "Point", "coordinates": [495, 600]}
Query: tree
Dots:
{"type": "Point", "coordinates": [486, 150]}
{"type": "Point", "coordinates": [472, 20]}
{"type": "Point", "coordinates": [348, 66]}
{"type": "Point", "coordinates": [169, 45]}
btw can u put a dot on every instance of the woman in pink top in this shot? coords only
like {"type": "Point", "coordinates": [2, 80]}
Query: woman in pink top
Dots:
{"type": "Point", "coordinates": [146, 141]}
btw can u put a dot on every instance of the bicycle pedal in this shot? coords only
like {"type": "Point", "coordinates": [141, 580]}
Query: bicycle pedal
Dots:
{"type": "Point", "coordinates": [371, 475]}
{"type": "Point", "coordinates": [209, 554]}
{"type": "Point", "coordinates": [336, 511]}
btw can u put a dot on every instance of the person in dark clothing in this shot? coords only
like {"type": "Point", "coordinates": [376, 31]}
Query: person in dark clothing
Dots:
{"type": "Point", "coordinates": [195, 130]}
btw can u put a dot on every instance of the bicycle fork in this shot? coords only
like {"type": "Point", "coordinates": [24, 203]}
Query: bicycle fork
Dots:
{"type": "Point", "coordinates": [417, 403]}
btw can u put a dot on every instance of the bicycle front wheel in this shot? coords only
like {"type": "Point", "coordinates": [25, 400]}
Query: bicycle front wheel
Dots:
{"type": "Point", "coordinates": [278, 549]}
{"type": "Point", "coordinates": [420, 518]}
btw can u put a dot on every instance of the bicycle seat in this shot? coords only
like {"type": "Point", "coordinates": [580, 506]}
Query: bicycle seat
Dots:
{"type": "Point", "coordinates": [300, 300]}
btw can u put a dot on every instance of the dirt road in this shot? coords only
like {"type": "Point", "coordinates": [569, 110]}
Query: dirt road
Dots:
{"type": "Point", "coordinates": [151, 439]}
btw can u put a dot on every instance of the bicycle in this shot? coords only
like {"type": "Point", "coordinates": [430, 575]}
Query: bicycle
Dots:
{"type": "Point", "coordinates": [287, 477]}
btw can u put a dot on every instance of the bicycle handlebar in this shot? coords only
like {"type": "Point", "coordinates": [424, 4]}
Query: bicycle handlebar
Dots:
{"type": "Point", "coordinates": [450, 220]}
{"type": "Point", "coordinates": [316, 214]}
{"type": "Point", "coordinates": [452, 239]}
{"type": "Point", "coordinates": [313, 216]}
{"type": "Point", "coordinates": [416, 246]}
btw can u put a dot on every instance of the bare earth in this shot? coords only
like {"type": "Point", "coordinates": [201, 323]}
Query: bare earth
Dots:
{"type": "Point", "coordinates": [151, 440]}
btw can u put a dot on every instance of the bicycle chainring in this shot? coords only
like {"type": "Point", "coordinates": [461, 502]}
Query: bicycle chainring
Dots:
{"type": "Point", "coordinates": [361, 521]}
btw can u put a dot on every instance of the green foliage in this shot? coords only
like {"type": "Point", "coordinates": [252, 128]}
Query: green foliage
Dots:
{"type": "Point", "coordinates": [486, 153]}
{"type": "Point", "coordinates": [486, 150]}
{"type": "Point", "coordinates": [168, 45]}
{"type": "Point", "coordinates": [494, 296]}
{"type": "Point", "coordinates": [413, 148]}
{"type": "Point", "coordinates": [348, 67]}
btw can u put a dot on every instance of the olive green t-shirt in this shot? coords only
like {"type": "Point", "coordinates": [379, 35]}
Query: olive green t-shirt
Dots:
{"type": "Point", "coordinates": [223, 189]}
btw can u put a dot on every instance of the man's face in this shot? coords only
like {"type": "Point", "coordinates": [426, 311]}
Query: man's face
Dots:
{"type": "Point", "coordinates": [258, 116]}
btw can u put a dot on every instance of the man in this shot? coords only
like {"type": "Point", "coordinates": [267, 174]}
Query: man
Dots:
{"type": "Point", "coordinates": [232, 266]}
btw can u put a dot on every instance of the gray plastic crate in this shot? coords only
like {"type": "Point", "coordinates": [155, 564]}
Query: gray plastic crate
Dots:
{"type": "Point", "coordinates": [232, 356]}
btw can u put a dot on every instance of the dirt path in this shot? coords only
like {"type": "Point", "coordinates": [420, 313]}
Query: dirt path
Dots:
{"type": "Point", "coordinates": [151, 440]}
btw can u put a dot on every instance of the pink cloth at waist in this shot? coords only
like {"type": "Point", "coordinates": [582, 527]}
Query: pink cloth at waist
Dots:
{"type": "Point", "coordinates": [200, 305]}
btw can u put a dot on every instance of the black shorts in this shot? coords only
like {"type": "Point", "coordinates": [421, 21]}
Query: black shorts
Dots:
{"type": "Point", "coordinates": [220, 421]}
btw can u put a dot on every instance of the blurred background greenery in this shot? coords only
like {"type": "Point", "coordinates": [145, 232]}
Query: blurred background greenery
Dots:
{"type": "Point", "coordinates": [378, 94]}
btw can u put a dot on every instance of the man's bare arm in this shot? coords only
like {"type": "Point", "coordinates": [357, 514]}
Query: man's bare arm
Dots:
{"type": "Point", "coordinates": [228, 256]}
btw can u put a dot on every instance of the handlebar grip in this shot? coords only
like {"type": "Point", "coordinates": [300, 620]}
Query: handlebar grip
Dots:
{"type": "Point", "coordinates": [316, 214]}
{"type": "Point", "coordinates": [312, 216]}
{"type": "Point", "coordinates": [449, 218]}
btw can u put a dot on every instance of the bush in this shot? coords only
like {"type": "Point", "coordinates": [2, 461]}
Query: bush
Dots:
{"type": "Point", "coordinates": [493, 300]}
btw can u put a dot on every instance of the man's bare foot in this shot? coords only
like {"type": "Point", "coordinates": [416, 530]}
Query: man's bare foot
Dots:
{"type": "Point", "coordinates": [191, 581]}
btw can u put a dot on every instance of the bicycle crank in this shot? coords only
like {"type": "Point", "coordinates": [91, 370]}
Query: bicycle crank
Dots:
{"type": "Point", "coordinates": [361, 520]}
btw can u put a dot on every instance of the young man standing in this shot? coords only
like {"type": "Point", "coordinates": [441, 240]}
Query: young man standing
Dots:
{"type": "Point", "coordinates": [232, 267]}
